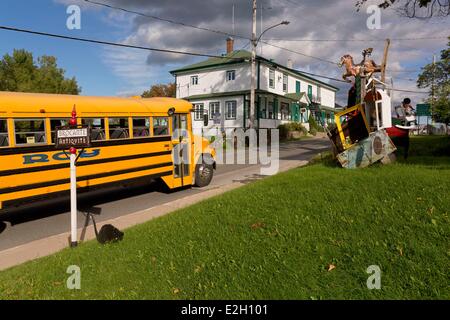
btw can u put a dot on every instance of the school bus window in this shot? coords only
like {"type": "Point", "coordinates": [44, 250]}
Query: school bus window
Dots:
{"type": "Point", "coordinates": [97, 128]}
{"type": "Point", "coordinates": [54, 123]}
{"type": "Point", "coordinates": [141, 127]}
{"type": "Point", "coordinates": [4, 141]}
{"type": "Point", "coordinates": [118, 128]}
{"type": "Point", "coordinates": [30, 131]}
{"type": "Point", "coordinates": [160, 126]}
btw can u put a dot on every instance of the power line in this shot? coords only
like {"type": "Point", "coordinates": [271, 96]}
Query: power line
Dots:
{"type": "Point", "coordinates": [53, 35]}
{"type": "Point", "coordinates": [206, 73]}
{"type": "Point", "coordinates": [357, 40]}
{"type": "Point", "coordinates": [102, 4]}
{"type": "Point", "coordinates": [404, 71]}
{"type": "Point", "coordinates": [300, 53]}
{"type": "Point", "coordinates": [158, 50]}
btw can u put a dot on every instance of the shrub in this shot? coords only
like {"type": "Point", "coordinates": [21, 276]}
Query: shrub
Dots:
{"type": "Point", "coordinates": [313, 131]}
{"type": "Point", "coordinates": [291, 126]}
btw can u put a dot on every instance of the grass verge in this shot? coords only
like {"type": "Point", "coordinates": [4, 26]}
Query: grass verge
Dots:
{"type": "Point", "coordinates": [276, 239]}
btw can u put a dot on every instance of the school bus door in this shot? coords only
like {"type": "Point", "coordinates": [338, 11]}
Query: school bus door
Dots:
{"type": "Point", "coordinates": [181, 150]}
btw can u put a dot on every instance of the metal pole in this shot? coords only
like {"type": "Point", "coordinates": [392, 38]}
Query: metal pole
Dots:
{"type": "Point", "coordinates": [253, 69]}
{"type": "Point", "coordinates": [73, 186]}
{"type": "Point", "coordinates": [73, 197]}
{"type": "Point", "coordinates": [261, 30]}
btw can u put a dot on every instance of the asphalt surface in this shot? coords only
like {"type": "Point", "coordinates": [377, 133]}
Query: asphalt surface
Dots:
{"type": "Point", "coordinates": [46, 218]}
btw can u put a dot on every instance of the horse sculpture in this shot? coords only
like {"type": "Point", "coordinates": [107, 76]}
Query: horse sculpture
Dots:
{"type": "Point", "coordinates": [369, 66]}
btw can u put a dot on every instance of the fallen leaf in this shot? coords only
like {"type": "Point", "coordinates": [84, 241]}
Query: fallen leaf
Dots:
{"type": "Point", "coordinates": [176, 291]}
{"type": "Point", "coordinates": [258, 225]}
{"type": "Point", "coordinates": [331, 267]}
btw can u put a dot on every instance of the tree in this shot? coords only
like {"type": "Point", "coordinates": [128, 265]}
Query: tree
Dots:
{"type": "Point", "coordinates": [20, 73]}
{"type": "Point", "coordinates": [414, 8]}
{"type": "Point", "coordinates": [160, 90]}
{"type": "Point", "coordinates": [435, 77]}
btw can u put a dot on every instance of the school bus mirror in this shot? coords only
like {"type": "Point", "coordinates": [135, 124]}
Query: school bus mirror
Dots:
{"type": "Point", "coordinates": [205, 120]}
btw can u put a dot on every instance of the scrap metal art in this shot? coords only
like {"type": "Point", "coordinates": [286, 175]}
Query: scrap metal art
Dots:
{"type": "Point", "coordinates": [361, 136]}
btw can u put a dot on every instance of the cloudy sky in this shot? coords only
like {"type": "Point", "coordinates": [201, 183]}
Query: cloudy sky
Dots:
{"type": "Point", "coordinates": [115, 71]}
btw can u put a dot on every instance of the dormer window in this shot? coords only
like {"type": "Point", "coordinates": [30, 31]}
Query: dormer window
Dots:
{"type": "Point", "coordinates": [231, 75]}
{"type": "Point", "coordinates": [194, 80]}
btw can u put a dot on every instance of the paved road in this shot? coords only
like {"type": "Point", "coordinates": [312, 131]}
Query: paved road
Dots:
{"type": "Point", "coordinates": [32, 222]}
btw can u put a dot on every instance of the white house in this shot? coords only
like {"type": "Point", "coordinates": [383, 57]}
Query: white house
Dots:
{"type": "Point", "coordinates": [220, 87]}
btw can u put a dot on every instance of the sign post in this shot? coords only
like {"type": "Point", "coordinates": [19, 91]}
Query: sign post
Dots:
{"type": "Point", "coordinates": [73, 197]}
{"type": "Point", "coordinates": [73, 137]}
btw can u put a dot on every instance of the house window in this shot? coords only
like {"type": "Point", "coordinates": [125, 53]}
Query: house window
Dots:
{"type": "Point", "coordinates": [214, 110]}
{"type": "Point", "coordinates": [194, 80]}
{"type": "Point", "coordinates": [270, 112]}
{"type": "Point", "coordinates": [284, 111]}
{"type": "Point", "coordinates": [30, 131]}
{"type": "Point", "coordinates": [97, 128]}
{"type": "Point", "coordinates": [230, 107]}
{"type": "Point", "coordinates": [198, 111]}
{"type": "Point", "coordinates": [231, 75]}
{"type": "Point", "coordinates": [272, 78]}
{"type": "Point", "coordinates": [4, 141]}
{"type": "Point", "coordinates": [285, 82]}
{"type": "Point", "coordinates": [263, 108]}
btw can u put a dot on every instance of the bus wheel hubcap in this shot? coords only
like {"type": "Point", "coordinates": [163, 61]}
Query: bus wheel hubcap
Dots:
{"type": "Point", "coordinates": [204, 171]}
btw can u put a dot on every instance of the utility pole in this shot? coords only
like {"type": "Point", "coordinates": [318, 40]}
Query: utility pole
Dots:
{"type": "Point", "coordinates": [253, 68]}
{"type": "Point", "coordinates": [261, 30]}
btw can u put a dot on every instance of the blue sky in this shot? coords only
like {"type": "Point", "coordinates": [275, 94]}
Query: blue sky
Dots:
{"type": "Point", "coordinates": [102, 70]}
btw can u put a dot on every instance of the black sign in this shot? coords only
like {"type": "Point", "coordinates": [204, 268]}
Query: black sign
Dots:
{"type": "Point", "coordinates": [77, 137]}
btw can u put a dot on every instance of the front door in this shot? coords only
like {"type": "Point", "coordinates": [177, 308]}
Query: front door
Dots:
{"type": "Point", "coordinates": [181, 150]}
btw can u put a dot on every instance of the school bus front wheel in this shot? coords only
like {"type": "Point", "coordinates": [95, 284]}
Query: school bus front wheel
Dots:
{"type": "Point", "coordinates": [204, 171]}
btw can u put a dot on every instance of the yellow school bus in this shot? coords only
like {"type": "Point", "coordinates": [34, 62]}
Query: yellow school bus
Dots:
{"type": "Point", "coordinates": [131, 138]}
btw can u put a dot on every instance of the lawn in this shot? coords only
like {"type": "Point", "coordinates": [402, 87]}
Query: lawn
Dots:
{"type": "Point", "coordinates": [276, 239]}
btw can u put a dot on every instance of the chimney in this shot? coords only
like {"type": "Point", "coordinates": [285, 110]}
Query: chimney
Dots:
{"type": "Point", "coordinates": [230, 45]}
{"type": "Point", "coordinates": [289, 64]}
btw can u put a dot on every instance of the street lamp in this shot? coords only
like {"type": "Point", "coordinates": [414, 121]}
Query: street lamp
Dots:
{"type": "Point", "coordinates": [274, 26]}
{"type": "Point", "coordinates": [253, 67]}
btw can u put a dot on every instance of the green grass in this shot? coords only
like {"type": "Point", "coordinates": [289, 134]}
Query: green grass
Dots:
{"type": "Point", "coordinates": [274, 239]}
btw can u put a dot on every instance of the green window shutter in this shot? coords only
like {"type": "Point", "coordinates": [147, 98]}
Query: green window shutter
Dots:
{"type": "Point", "coordinates": [310, 92]}
{"type": "Point", "coordinates": [297, 86]}
{"type": "Point", "coordinates": [275, 108]}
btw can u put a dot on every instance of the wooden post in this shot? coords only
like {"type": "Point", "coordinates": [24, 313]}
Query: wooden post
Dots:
{"type": "Point", "coordinates": [383, 64]}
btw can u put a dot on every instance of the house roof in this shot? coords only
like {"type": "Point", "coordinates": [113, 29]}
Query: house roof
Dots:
{"type": "Point", "coordinates": [239, 56]}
